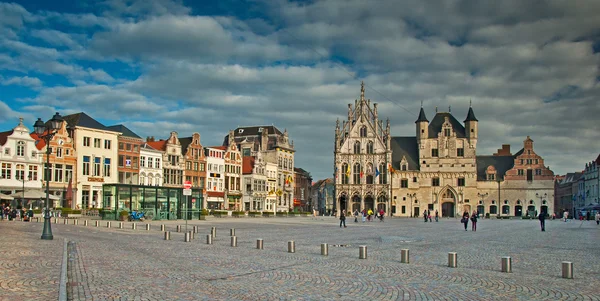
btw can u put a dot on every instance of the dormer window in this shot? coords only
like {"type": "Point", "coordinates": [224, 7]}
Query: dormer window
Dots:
{"type": "Point", "coordinates": [363, 131]}
{"type": "Point", "coordinates": [240, 131]}
{"type": "Point", "coordinates": [404, 167]}
{"type": "Point", "coordinates": [490, 173]}
{"type": "Point", "coordinates": [447, 132]}
{"type": "Point", "coordinates": [370, 147]}
{"type": "Point", "coordinates": [491, 177]}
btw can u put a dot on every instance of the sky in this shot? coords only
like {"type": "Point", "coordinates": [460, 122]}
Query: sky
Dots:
{"type": "Point", "coordinates": [156, 66]}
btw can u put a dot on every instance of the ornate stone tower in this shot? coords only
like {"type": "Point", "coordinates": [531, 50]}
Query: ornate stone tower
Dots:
{"type": "Point", "coordinates": [362, 156]}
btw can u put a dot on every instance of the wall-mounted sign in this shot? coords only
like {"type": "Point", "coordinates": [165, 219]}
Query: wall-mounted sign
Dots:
{"type": "Point", "coordinates": [91, 179]}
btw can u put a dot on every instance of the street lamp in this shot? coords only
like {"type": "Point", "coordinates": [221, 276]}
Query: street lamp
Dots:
{"type": "Point", "coordinates": [542, 197]}
{"type": "Point", "coordinates": [411, 196]}
{"type": "Point", "coordinates": [23, 181]}
{"type": "Point", "coordinates": [46, 131]}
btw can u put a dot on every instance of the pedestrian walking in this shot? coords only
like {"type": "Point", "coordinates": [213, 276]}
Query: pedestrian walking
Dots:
{"type": "Point", "coordinates": [474, 221]}
{"type": "Point", "coordinates": [356, 215]}
{"type": "Point", "coordinates": [465, 219]}
{"type": "Point", "coordinates": [542, 218]}
{"type": "Point", "coordinates": [437, 216]}
{"type": "Point", "coordinates": [597, 218]}
{"type": "Point", "coordinates": [343, 218]}
{"type": "Point", "coordinates": [565, 215]}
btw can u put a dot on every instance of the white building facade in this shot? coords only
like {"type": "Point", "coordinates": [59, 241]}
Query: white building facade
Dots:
{"type": "Point", "coordinates": [151, 172]}
{"type": "Point", "coordinates": [255, 183]}
{"type": "Point", "coordinates": [20, 162]}
{"type": "Point", "coordinates": [215, 178]}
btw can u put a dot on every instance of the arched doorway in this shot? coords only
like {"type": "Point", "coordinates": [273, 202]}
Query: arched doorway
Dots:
{"type": "Point", "coordinates": [381, 203]}
{"type": "Point", "coordinates": [369, 203]}
{"type": "Point", "coordinates": [343, 202]}
{"type": "Point", "coordinates": [416, 212]}
{"type": "Point", "coordinates": [356, 203]}
{"type": "Point", "coordinates": [518, 210]}
{"type": "Point", "coordinates": [448, 203]}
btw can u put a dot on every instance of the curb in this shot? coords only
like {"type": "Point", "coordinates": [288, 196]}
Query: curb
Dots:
{"type": "Point", "coordinates": [62, 289]}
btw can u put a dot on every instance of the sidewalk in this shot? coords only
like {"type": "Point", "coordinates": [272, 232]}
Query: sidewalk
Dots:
{"type": "Point", "coordinates": [29, 267]}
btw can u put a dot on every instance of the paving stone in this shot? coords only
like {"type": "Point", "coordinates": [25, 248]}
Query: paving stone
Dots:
{"type": "Point", "coordinates": [125, 264]}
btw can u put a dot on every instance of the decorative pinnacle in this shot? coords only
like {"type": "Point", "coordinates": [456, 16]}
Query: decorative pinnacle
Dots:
{"type": "Point", "coordinates": [362, 90]}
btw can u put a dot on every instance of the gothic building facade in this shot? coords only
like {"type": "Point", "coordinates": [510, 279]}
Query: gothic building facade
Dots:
{"type": "Point", "coordinates": [362, 156]}
{"type": "Point", "coordinates": [438, 169]}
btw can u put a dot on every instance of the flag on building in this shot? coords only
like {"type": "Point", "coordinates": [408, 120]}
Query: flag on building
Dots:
{"type": "Point", "coordinates": [348, 171]}
{"type": "Point", "coordinates": [377, 173]}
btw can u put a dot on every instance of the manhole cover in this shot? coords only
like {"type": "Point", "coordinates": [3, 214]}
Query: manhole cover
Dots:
{"type": "Point", "coordinates": [340, 246]}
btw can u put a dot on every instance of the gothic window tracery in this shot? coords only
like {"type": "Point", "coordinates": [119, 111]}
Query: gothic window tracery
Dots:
{"type": "Point", "coordinates": [356, 174]}
{"type": "Point", "coordinates": [369, 173]}
{"type": "Point", "coordinates": [345, 174]}
{"type": "Point", "coordinates": [382, 174]}
{"type": "Point", "coordinates": [357, 147]}
{"type": "Point", "coordinates": [363, 131]}
{"type": "Point", "coordinates": [370, 147]}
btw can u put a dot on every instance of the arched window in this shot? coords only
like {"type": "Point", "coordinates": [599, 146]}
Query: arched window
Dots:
{"type": "Point", "coordinates": [356, 174]}
{"type": "Point", "coordinates": [21, 149]}
{"type": "Point", "coordinates": [370, 147]}
{"type": "Point", "coordinates": [369, 173]}
{"type": "Point", "coordinates": [150, 179]}
{"type": "Point", "coordinates": [142, 178]}
{"type": "Point", "coordinates": [363, 131]}
{"type": "Point", "coordinates": [382, 174]}
{"type": "Point", "coordinates": [345, 174]}
{"type": "Point", "coordinates": [357, 147]}
{"type": "Point", "coordinates": [404, 167]}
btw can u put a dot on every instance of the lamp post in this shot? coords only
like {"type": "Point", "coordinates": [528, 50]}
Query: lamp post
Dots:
{"type": "Point", "coordinates": [411, 196]}
{"type": "Point", "coordinates": [46, 131]}
{"type": "Point", "coordinates": [498, 208]}
{"type": "Point", "coordinates": [23, 182]}
{"type": "Point", "coordinates": [542, 197]}
{"type": "Point", "coordinates": [481, 197]}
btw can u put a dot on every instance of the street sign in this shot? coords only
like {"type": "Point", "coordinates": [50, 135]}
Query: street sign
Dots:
{"type": "Point", "coordinates": [187, 191]}
{"type": "Point", "coordinates": [187, 185]}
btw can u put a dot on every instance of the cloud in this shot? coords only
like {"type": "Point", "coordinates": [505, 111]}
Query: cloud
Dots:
{"type": "Point", "coordinates": [26, 81]}
{"type": "Point", "coordinates": [160, 66]}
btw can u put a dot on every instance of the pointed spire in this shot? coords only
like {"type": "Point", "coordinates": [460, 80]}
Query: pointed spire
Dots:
{"type": "Point", "coordinates": [470, 114]}
{"type": "Point", "coordinates": [449, 109]}
{"type": "Point", "coordinates": [362, 91]}
{"type": "Point", "coordinates": [422, 116]}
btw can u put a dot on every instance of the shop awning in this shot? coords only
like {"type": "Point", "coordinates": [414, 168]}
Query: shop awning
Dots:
{"type": "Point", "coordinates": [6, 197]}
{"type": "Point", "coordinates": [32, 194]}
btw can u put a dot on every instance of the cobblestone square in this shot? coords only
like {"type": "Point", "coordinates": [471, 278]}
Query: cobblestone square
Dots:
{"type": "Point", "coordinates": [126, 264]}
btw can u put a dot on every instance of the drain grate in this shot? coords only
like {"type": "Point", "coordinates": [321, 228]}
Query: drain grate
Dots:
{"type": "Point", "coordinates": [340, 246]}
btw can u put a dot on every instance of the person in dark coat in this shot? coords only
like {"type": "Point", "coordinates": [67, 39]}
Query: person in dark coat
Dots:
{"type": "Point", "coordinates": [465, 219]}
{"type": "Point", "coordinates": [542, 218]}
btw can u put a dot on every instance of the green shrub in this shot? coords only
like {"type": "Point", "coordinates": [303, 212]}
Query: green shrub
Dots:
{"type": "Point", "coordinates": [238, 213]}
{"type": "Point", "coordinates": [124, 213]}
{"type": "Point", "coordinates": [282, 213]}
{"type": "Point", "coordinates": [268, 213]}
{"type": "Point", "coordinates": [204, 212]}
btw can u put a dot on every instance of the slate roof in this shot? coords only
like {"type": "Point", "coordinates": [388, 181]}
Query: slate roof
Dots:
{"type": "Point", "coordinates": [519, 153]}
{"type": "Point", "coordinates": [435, 126]}
{"type": "Point", "coordinates": [124, 130]}
{"type": "Point", "coordinates": [501, 163]}
{"type": "Point", "coordinates": [4, 136]}
{"type": "Point", "coordinates": [422, 116]}
{"type": "Point", "coordinates": [471, 115]}
{"type": "Point", "coordinates": [598, 159]}
{"type": "Point", "coordinates": [253, 130]}
{"type": "Point", "coordinates": [408, 147]}
{"type": "Point", "coordinates": [84, 120]}
{"type": "Point", "coordinates": [185, 142]}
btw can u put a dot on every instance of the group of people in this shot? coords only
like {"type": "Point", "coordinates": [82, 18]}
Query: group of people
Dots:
{"type": "Point", "coordinates": [14, 213]}
{"type": "Point", "coordinates": [367, 215]}
{"type": "Point", "coordinates": [427, 216]}
{"type": "Point", "coordinates": [473, 217]}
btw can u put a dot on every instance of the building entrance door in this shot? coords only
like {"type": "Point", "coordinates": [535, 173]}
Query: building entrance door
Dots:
{"type": "Point", "coordinates": [448, 209]}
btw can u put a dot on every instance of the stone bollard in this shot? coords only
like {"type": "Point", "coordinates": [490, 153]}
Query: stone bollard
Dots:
{"type": "Point", "coordinates": [178, 228]}
{"type": "Point", "coordinates": [167, 235]}
{"type": "Point", "coordinates": [162, 228]}
{"type": "Point", "coordinates": [192, 235]}
{"type": "Point", "coordinates": [65, 221]}
{"type": "Point", "coordinates": [324, 249]}
{"type": "Point", "coordinates": [97, 223]}
{"type": "Point", "coordinates": [55, 220]}
{"type": "Point", "coordinates": [120, 225]}
{"type": "Point", "coordinates": [452, 261]}
{"type": "Point", "coordinates": [187, 237]}
{"type": "Point", "coordinates": [362, 252]}
{"type": "Point", "coordinates": [107, 224]}
{"type": "Point", "coordinates": [567, 270]}
{"type": "Point", "coordinates": [209, 239]}
{"type": "Point", "coordinates": [147, 227]}
{"type": "Point", "coordinates": [259, 244]}
{"type": "Point", "coordinates": [291, 246]}
{"type": "Point", "coordinates": [234, 241]}
{"type": "Point", "coordinates": [133, 226]}
{"type": "Point", "coordinates": [213, 232]}
{"type": "Point", "coordinates": [85, 223]}
{"type": "Point", "coordinates": [506, 264]}
{"type": "Point", "coordinates": [232, 232]}
{"type": "Point", "coordinates": [195, 229]}
{"type": "Point", "coordinates": [75, 222]}
{"type": "Point", "coordinates": [404, 256]}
